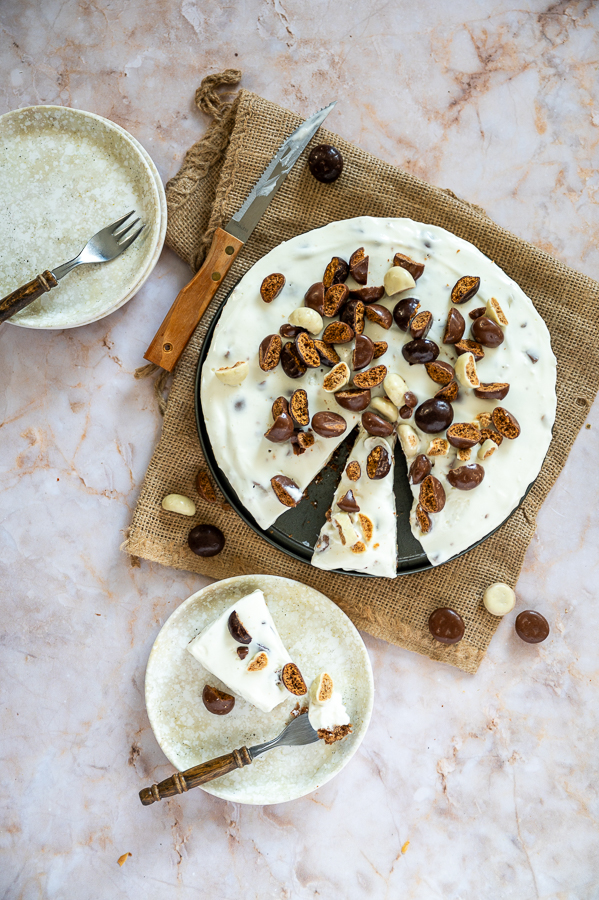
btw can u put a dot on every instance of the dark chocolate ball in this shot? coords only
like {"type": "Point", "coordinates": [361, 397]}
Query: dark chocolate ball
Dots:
{"type": "Point", "coordinates": [446, 626]}
{"type": "Point", "coordinates": [434, 416]}
{"type": "Point", "coordinates": [420, 351]}
{"type": "Point", "coordinates": [206, 540]}
{"type": "Point", "coordinates": [531, 626]}
{"type": "Point", "coordinates": [325, 163]}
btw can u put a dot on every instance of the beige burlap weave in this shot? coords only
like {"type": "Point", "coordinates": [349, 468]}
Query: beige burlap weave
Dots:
{"type": "Point", "coordinates": [215, 178]}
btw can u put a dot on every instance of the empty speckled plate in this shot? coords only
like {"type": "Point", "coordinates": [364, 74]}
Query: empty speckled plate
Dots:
{"type": "Point", "coordinates": [317, 634]}
{"type": "Point", "coordinates": [64, 174]}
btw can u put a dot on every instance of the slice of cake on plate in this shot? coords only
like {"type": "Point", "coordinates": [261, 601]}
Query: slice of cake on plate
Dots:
{"type": "Point", "coordinates": [360, 533]}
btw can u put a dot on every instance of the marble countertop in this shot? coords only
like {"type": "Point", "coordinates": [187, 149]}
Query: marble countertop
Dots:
{"type": "Point", "coordinates": [465, 787]}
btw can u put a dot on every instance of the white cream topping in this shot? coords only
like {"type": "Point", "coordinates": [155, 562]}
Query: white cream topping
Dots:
{"type": "Point", "coordinates": [328, 713]}
{"type": "Point", "coordinates": [376, 500]}
{"type": "Point", "coordinates": [237, 417]}
{"type": "Point", "coordinates": [216, 650]}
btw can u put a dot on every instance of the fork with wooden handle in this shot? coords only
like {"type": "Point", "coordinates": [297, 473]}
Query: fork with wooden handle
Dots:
{"type": "Point", "coordinates": [105, 245]}
{"type": "Point", "coordinates": [298, 733]}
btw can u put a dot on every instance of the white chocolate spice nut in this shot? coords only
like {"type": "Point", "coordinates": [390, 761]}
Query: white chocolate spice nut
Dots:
{"type": "Point", "coordinates": [395, 389]}
{"type": "Point", "coordinates": [321, 688]}
{"type": "Point", "coordinates": [438, 447]}
{"type": "Point", "coordinates": [409, 440]}
{"type": "Point", "coordinates": [177, 503]}
{"type": "Point", "coordinates": [487, 449]}
{"type": "Point", "coordinates": [397, 280]}
{"type": "Point", "coordinates": [233, 375]}
{"type": "Point", "coordinates": [499, 599]}
{"type": "Point", "coordinates": [494, 312]}
{"type": "Point", "coordinates": [337, 378]}
{"type": "Point", "coordinates": [307, 318]}
{"type": "Point", "coordinates": [385, 408]}
{"type": "Point", "coordinates": [465, 371]}
{"type": "Point", "coordinates": [347, 532]}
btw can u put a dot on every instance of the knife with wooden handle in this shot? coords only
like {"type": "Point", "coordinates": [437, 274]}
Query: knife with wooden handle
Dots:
{"type": "Point", "coordinates": [193, 300]}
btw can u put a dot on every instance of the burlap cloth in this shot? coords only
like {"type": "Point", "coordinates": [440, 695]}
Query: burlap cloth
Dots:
{"type": "Point", "coordinates": [215, 178]}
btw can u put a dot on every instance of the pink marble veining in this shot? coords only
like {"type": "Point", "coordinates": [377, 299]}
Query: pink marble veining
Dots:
{"type": "Point", "coordinates": [491, 779]}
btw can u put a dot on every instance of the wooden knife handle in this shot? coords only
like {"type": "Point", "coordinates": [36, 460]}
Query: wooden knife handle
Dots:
{"type": "Point", "coordinates": [25, 295]}
{"type": "Point", "coordinates": [184, 781]}
{"type": "Point", "coordinates": [192, 302]}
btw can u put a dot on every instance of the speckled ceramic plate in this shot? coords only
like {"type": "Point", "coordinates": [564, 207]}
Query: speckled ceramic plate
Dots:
{"type": "Point", "coordinates": [64, 174]}
{"type": "Point", "coordinates": [316, 633]}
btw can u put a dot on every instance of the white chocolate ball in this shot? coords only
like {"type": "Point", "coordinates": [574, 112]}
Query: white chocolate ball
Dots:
{"type": "Point", "coordinates": [177, 503]}
{"type": "Point", "coordinates": [307, 318]}
{"type": "Point", "coordinates": [499, 599]}
{"type": "Point", "coordinates": [397, 280]}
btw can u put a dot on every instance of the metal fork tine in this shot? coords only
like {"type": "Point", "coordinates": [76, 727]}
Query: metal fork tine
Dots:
{"type": "Point", "coordinates": [119, 222]}
{"type": "Point", "coordinates": [130, 240]}
{"type": "Point", "coordinates": [127, 228]}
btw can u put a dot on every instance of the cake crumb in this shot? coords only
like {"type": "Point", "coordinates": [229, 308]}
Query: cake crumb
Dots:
{"type": "Point", "coordinates": [337, 734]}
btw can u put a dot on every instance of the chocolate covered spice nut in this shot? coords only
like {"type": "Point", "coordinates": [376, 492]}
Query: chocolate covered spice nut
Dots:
{"type": "Point", "coordinates": [465, 289]}
{"type": "Point", "coordinates": [432, 495]}
{"type": "Point", "coordinates": [336, 272]}
{"type": "Point", "coordinates": [505, 423]}
{"type": "Point", "coordinates": [286, 490]}
{"type": "Point", "coordinates": [358, 266]}
{"type": "Point", "coordinates": [270, 352]}
{"type": "Point", "coordinates": [293, 680]}
{"type": "Point", "coordinates": [378, 463]}
{"type": "Point", "coordinates": [371, 378]}
{"type": "Point", "coordinates": [272, 286]}
{"type": "Point", "coordinates": [298, 407]}
{"type": "Point", "coordinates": [406, 262]}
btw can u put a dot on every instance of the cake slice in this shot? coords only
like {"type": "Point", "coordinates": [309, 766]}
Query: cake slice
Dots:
{"type": "Point", "coordinates": [360, 533]}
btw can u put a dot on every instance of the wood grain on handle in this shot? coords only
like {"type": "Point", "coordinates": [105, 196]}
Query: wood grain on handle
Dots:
{"type": "Point", "coordinates": [25, 295]}
{"type": "Point", "coordinates": [184, 781]}
{"type": "Point", "coordinates": [192, 302]}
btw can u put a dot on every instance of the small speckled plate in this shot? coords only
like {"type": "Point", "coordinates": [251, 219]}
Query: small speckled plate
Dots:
{"type": "Point", "coordinates": [64, 174]}
{"type": "Point", "coordinates": [317, 634]}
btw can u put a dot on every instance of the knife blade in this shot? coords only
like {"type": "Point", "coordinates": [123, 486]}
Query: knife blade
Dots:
{"type": "Point", "coordinates": [192, 301]}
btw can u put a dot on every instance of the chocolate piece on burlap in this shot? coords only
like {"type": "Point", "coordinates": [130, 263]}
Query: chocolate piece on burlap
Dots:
{"type": "Point", "coordinates": [216, 177]}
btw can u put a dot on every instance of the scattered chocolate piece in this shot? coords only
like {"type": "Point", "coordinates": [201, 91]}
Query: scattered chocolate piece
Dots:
{"type": "Point", "coordinates": [298, 407]}
{"type": "Point", "coordinates": [206, 540]}
{"type": "Point", "coordinates": [281, 429]}
{"type": "Point", "coordinates": [242, 652]}
{"type": "Point", "coordinates": [476, 313]}
{"type": "Point", "coordinates": [434, 416]}
{"type": "Point", "coordinates": [376, 425]}
{"type": "Point", "coordinates": [439, 372]}
{"type": "Point", "coordinates": [404, 311]}
{"type": "Point", "coordinates": [328, 355]}
{"type": "Point", "coordinates": [314, 297]}
{"type": "Point", "coordinates": [291, 363]}
{"type": "Point", "coordinates": [531, 626]}
{"type": "Point", "coordinates": [420, 325]}
{"type": "Point", "coordinates": [438, 447]}
{"type": "Point", "coordinates": [272, 286]}
{"type": "Point", "coordinates": [353, 399]}
{"type": "Point", "coordinates": [486, 332]}
{"type": "Point", "coordinates": [270, 352]}
{"type": "Point", "coordinates": [420, 468]}
{"type": "Point", "coordinates": [472, 347]}
{"type": "Point", "coordinates": [334, 299]}
{"type": "Point", "coordinates": [336, 272]}
{"type": "Point", "coordinates": [302, 441]}
{"type": "Point", "coordinates": [216, 701]}
{"type": "Point", "coordinates": [420, 351]}
{"type": "Point", "coordinates": [495, 390]}
{"type": "Point", "coordinates": [378, 463]}
{"type": "Point", "coordinates": [380, 348]}
{"type": "Point", "coordinates": [466, 477]}
{"type": "Point", "coordinates": [338, 333]}
{"type": "Point", "coordinates": [363, 352]}
{"type": "Point", "coordinates": [533, 357]}
{"type": "Point", "coordinates": [325, 163]}
{"type": "Point", "coordinates": [371, 378]}
{"type": "Point", "coordinates": [410, 399]}
{"type": "Point", "coordinates": [406, 412]}
{"type": "Point", "coordinates": [463, 435]}
{"type": "Point", "coordinates": [353, 470]}
{"type": "Point", "coordinates": [455, 327]}
{"type": "Point", "coordinates": [204, 487]}
{"type": "Point", "coordinates": [353, 314]}
{"type": "Point", "coordinates": [328, 424]}
{"type": "Point", "coordinates": [287, 330]}
{"type": "Point", "coordinates": [358, 266]}
{"type": "Point", "coordinates": [348, 503]}
{"type": "Point", "coordinates": [505, 423]}
{"type": "Point", "coordinates": [465, 289]}
{"type": "Point", "coordinates": [425, 523]}
{"type": "Point", "coordinates": [446, 626]}
{"type": "Point", "coordinates": [280, 406]}
{"type": "Point", "coordinates": [432, 495]}
{"type": "Point", "coordinates": [306, 351]}
{"type": "Point", "coordinates": [414, 268]}
{"type": "Point", "coordinates": [286, 490]}
{"type": "Point", "coordinates": [367, 294]}
{"type": "Point", "coordinates": [378, 314]}
{"type": "Point", "coordinates": [448, 392]}
{"type": "Point", "coordinates": [237, 630]}
{"type": "Point", "coordinates": [293, 680]}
